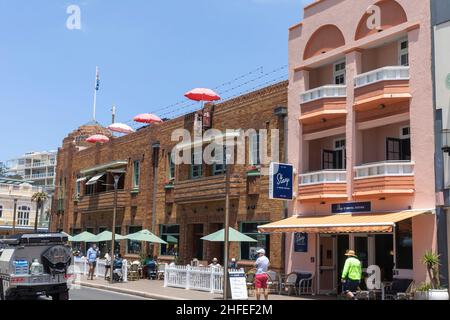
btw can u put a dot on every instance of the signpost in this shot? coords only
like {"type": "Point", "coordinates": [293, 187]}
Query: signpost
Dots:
{"type": "Point", "coordinates": [281, 186]}
{"type": "Point", "coordinates": [351, 207]}
{"type": "Point", "coordinates": [238, 285]}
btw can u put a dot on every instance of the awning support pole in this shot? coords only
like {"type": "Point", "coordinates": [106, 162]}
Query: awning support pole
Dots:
{"type": "Point", "coordinates": [394, 228]}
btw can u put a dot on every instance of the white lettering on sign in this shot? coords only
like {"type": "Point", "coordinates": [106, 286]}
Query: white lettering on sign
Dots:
{"type": "Point", "coordinates": [374, 19]}
{"type": "Point", "coordinates": [74, 20]}
{"type": "Point", "coordinates": [282, 180]}
{"type": "Point", "coordinates": [374, 279]}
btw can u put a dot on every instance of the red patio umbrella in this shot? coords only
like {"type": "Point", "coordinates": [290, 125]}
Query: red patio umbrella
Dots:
{"type": "Point", "coordinates": [202, 94]}
{"type": "Point", "coordinates": [147, 118]}
{"type": "Point", "coordinates": [121, 128]}
{"type": "Point", "coordinates": [97, 138]}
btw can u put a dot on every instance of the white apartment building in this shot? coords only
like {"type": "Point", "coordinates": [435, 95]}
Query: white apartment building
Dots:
{"type": "Point", "coordinates": [17, 194]}
{"type": "Point", "coordinates": [36, 167]}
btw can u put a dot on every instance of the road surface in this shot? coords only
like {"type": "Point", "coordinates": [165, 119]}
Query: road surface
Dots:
{"type": "Point", "coordinates": [85, 293]}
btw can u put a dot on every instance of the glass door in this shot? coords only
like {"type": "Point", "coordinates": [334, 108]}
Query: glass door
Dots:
{"type": "Point", "coordinates": [327, 264]}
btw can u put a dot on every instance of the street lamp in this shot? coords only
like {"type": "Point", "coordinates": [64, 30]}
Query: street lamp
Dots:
{"type": "Point", "coordinates": [227, 226]}
{"type": "Point", "coordinates": [117, 174]}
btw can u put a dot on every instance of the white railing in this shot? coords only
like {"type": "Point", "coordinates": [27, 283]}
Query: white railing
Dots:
{"type": "Point", "coordinates": [329, 91]}
{"type": "Point", "coordinates": [195, 278]}
{"type": "Point", "coordinates": [12, 188]}
{"type": "Point", "coordinates": [326, 176]}
{"type": "Point", "coordinates": [382, 74]}
{"type": "Point", "coordinates": [40, 175]}
{"type": "Point", "coordinates": [81, 266]}
{"type": "Point", "coordinates": [387, 168]}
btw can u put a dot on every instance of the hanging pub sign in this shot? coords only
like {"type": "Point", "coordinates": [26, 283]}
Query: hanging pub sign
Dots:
{"type": "Point", "coordinates": [300, 242]}
{"type": "Point", "coordinates": [351, 207]}
{"type": "Point", "coordinates": [207, 117]}
{"type": "Point", "coordinates": [281, 186]}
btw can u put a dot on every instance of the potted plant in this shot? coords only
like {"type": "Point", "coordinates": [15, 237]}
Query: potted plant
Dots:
{"type": "Point", "coordinates": [421, 292]}
{"type": "Point", "coordinates": [436, 292]}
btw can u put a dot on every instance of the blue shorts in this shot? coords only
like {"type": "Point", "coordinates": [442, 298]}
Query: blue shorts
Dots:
{"type": "Point", "coordinates": [351, 285]}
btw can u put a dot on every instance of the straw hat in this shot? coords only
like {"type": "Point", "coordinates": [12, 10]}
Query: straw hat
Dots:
{"type": "Point", "coordinates": [350, 253]}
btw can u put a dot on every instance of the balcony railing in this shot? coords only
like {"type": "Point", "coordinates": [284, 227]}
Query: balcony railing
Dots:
{"type": "Point", "coordinates": [326, 176]}
{"type": "Point", "coordinates": [39, 176]}
{"type": "Point", "coordinates": [382, 74]}
{"type": "Point", "coordinates": [387, 168]}
{"type": "Point", "coordinates": [329, 91]}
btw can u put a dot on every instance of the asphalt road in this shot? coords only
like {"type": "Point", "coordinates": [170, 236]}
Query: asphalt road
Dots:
{"type": "Point", "coordinates": [94, 294]}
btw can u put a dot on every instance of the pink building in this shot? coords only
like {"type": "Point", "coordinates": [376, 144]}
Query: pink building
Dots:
{"type": "Point", "coordinates": [361, 134]}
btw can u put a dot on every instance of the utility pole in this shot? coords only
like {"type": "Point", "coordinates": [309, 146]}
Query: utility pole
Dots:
{"type": "Point", "coordinates": [14, 217]}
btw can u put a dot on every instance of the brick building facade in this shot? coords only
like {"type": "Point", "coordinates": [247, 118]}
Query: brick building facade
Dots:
{"type": "Point", "coordinates": [190, 200]}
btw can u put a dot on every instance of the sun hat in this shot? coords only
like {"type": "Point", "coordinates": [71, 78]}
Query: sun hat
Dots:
{"type": "Point", "coordinates": [350, 253]}
{"type": "Point", "coordinates": [261, 251]}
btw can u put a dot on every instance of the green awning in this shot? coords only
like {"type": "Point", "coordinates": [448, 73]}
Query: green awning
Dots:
{"type": "Point", "coordinates": [172, 239]}
{"type": "Point", "coordinates": [253, 174]}
{"type": "Point", "coordinates": [68, 236]}
{"type": "Point", "coordinates": [234, 236]}
{"type": "Point", "coordinates": [146, 236]}
{"type": "Point", "coordinates": [106, 236]}
{"type": "Point", "coordinates": [84, 237]}
{"type": "Point", "coordinates": [104, 167]}
{"type": "Point", "coordinates": [95, 179]}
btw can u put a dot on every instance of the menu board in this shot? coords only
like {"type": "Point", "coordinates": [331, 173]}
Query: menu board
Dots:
{"type": "Point", "coordinates": [238, 285]}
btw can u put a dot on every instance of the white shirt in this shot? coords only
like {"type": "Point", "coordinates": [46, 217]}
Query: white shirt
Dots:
{"type": "Point", "coordinates": [262, 265]}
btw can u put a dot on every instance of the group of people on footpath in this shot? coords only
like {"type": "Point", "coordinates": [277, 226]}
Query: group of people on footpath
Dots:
{"type": "Point", "coordinates": [114, 266]}
{"type": "Point", "coordinates": [351, 273]}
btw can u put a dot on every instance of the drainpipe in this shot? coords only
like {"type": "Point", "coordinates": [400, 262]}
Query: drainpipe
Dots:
{"type": "Point", "coordinates": [155, 147]}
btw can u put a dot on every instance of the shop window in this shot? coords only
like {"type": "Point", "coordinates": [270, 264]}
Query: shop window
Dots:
{"type": "Point", "coordinates": [171, 166]}
{"type": "Point", "coordinates": [403, 52]}
{"type": "Point", "coordinates": [134, 247]}
{"type": "Point", "coordinates": [339, 73]}
{"type": "Point", "coordinates": [404, 245]}
{"type": "Point", "coordinates": [170, 234]}
{"type": "Point", "coordinates": [255, 149]}
{"type": "Point", "coordinates": [136, 174]}
{"type": "Point", "coordinates": [196, 167]}
{"type": "Point", "coordinates": [220, 160]}
{"type": "Point", "coordinates": [23, 216]}
{"type": "Point", "coordinates": [248, 249]}
{"type": "Point", "coordinates": [398, 149]}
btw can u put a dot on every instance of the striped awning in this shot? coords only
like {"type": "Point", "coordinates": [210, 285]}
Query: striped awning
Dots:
{"type": "Point", "coordinates": [341, 223]}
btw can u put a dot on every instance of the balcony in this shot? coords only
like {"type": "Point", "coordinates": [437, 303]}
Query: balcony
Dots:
{"type": "Point", "coordinates": [323, 185]}
{"type": "Point", "coordinates": [205, 189]}
{"type": "Point", "coordinates": [326, 102]}
{"type": "Point", "coordinates": [384, 178]}
{"type": "Point", "coordinates": [102, 201]}
{"type": "Point", "coordinates": [382, 86]}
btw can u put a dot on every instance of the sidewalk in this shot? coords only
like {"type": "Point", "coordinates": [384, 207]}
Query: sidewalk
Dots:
{"type": "Point", "coordinates": [154, 289]}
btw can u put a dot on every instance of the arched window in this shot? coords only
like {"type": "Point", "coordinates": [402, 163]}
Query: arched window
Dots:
{"type": "Point", "coordinates": [323, 40]}
{"type": "Point", "coordinates": [23, 216]}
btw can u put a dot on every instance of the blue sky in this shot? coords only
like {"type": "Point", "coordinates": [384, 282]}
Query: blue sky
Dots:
{"type": "Point", "coordinates": [149, 54]}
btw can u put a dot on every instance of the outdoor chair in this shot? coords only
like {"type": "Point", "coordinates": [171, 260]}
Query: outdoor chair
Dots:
{"type": "Point", "coordinates": [133, 273]}
{"type": "Point", "coordinates": [274, 283]}
{"type": "Point", "coordinates": [290, 284]}
{"type": "Point", "coordinates": [161, 271]}
{"type": "Point", "coordinates": [250, 281]}
{"type": "Point", "coordinates": [305, 283]}
{"type": "Point", "coordinates": [400, 289]}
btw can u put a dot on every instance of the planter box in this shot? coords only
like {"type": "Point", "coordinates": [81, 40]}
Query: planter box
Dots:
{"type": "Point", "coordinates": [438, 295]}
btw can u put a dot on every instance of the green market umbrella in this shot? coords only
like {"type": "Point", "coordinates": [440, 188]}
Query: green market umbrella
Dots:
{"type": "Point", "coordinates": [172, 239]}
{"type": "Point", "coordinates": [69, 237]}
{"type": "Point", "coordinates": [146, 236]}
{"type": "Point", "coordinates": [106, 236]}
{"type": "Point", "coordinates": [234, 236]}
{"type": "Point", "coordinates": [84, 237]}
